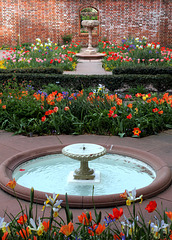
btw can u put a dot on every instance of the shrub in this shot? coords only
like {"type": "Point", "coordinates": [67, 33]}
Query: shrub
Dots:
{"type": "Point", "coordinates": [78, 82]}
{"type": "Point", "coordinates": [45, 70]}
{"type": "Point", "coordinates": [67, 38]}
{"type": "Point", "coordinates": [149, 70]}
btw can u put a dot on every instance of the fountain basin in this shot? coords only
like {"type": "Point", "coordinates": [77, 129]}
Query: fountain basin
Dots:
{"type": "Point", "coordinates": [161, 182]}
{"type": "Point", "coordinates": [90, 23]}
{"type": "Point", "coordinates": [85, 55]}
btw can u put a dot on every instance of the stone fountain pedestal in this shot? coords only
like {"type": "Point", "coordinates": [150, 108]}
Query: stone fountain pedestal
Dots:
{"type": "Point", "coordinates": [90, 52]}
{"type": "Point", "coordinates": [84, 152]}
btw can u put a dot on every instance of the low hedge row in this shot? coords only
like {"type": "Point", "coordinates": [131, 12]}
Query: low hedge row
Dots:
{"type": "Point", "coordinates": [151, 70]}
{"type": "Point", "coordinates": [47, 70]}
{"type": "Point", "coordinates": [162, 82]}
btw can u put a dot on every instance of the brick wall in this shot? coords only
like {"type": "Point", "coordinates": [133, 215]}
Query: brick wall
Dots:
{"type": "Point", "coordinates": [52, 18]}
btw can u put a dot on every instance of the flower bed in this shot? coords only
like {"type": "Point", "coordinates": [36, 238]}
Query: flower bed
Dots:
{"type": "Point", "coordinates": [41, 55]}
{"type": "Point", "coordinates": [134, 52]}
{"type": "Point", "coordinates": [115, 225]}
{"type": "Point", "coordinates": [55, 111]}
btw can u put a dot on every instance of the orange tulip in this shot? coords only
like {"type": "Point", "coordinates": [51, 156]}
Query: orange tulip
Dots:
{"type": "Point", "coordinates": [138, 95]}
{"type": "Point", "coordinates": [130, 105]}
{"type": "Point", "coordinates": [169, 214]}
{"type": "Point", "coordinates": [119, 101]}
{"type": "Point", "coordinates": [136, 131]}
{"type": "Point", "coordinates": [160, 112]}
{"type": "Point", "coordinates": [22, 219]}
{"type": "Point", "coordinates": [111, 113]}
{"type": "Point", "coordinates": [151, 206]}
{"type": "Point", "coordinates": [46, 225]}
{"type": "Point", "coordinates": [165, 96]}
{"type": "Point", "coordinates": [113, 108]}
{"type": "Point", "coordinates": [34, 238]}
{"type": "Point", "coordinates": [67, 229]}
{"type": "Point", "coordinates": [116, 214]}
{"type": "Point", "coordinates": [149, 101]}
{"type": "Point", "coordinates": [116, 237]}
{"type": "Point", "coordinates": [155, 110]}
{"type": "Point", "coordinates": [11, 184]}
{"type": "Point", "coordinates": [124, 195]}
{"type": "Point", "coordinates": [84, 220]}
{"type": "Point", "coordinates": [91, 229]}
{"type": "Point", "coordinates": [161, 101]}
{"type": "Point", "coordinates": [100, 229]}
{"type": "Point", "coordinates": [43, 118]}
{"type": "Point", "coordinates": [24, 233]}
{"type": "Point", "coordinates": [4, 237]}
{"type": "Point", "coordinates": [129, 116]}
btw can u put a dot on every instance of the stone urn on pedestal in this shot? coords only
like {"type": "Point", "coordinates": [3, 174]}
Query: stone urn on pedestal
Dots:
{"type": "Point", "coordinates": [90, 53]}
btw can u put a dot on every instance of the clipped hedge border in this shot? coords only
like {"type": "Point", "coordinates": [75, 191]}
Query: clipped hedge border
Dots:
{"type": "Point", "coordinates": [151, 70]}
{"type": "Point", "coordinates": [46, 70]}
{"type": "Point", "coordinates": [161, 82]}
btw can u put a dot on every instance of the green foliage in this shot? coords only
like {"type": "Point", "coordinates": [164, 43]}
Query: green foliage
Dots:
{"type": "Point", "coordinates": [49, 88]}
{"type": "Point", "coordinates": [67, 38]}
{"type": "Point", "coordinates": [52, 110]}
{"type": "Point", "coordinates": [147, 70]}
{"type": "Point", "coordinates": [104, 39]}
{"type": "Point", "coordinates": [138, 89]}
{"type": "Point", "coordinates": [4, 47]}
{"type": "Point", "coordinates": [26, 45]}
{"type": "Point", "coordinates": [161, 82]}
{"type": "Point", "coordinates": [41, 55]}
{"type": "Point", "coordinates": [134, 53]}
{"type": "Point", "coordinates": [27, 224]}
{"type": "Point", "coordinates": [89, 18]}
{"type": "Point", "coordinates": [45, 70]}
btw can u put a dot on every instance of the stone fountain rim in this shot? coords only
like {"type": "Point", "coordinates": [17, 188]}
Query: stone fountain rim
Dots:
{"type": "Point", "coordinates": [87, 157]}
{"type": "Point", "coordinates": [161, 182]}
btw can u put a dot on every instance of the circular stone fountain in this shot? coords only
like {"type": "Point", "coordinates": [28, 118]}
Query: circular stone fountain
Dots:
{"type": "Point", "coordinates": [90, 53]}
{"type": "Point", "coordinates": [75, 199]}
